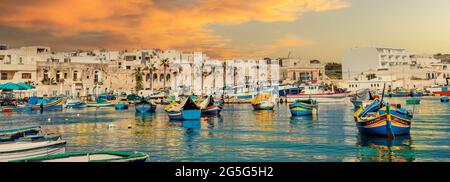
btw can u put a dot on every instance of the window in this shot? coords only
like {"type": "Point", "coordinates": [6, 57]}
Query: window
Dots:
{"type": "Point", "coordinates": [128, 67]}
{"type": "Point", "coordinates": [4, 76]}
{"type": "Point", "coordinates": [65, 75]}
{"type": "Point", "coordinates": [26, 75]}
{"type": "Point", "coordinates": [45, 74]}
{"type": "Point", "coordinates": [75, 75]}
{"type": "Point", "coordinates": [96, 77]}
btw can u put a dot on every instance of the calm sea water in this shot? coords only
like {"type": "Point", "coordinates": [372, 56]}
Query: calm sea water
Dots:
{"type": "Point", "coordinates": [242, 134]}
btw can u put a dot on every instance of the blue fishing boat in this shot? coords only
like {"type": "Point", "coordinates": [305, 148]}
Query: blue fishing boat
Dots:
{"type": "Point", "coordinates": [304, 107]}
{"type": "Point", "coordinates": [145, 106]}
{"type": "Point", "coordinates": [121, 106]}
{"type": "Point", "coordinates": [263, 101]}
{"type": "Point", "coordinates": [380, 118]}
{"type": "Point", "coordinates": [444, 99]}
{"type": "Point", "coordinates": [187, 110]}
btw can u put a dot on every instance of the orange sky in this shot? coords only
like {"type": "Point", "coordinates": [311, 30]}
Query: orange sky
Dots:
{"type": "Point", "coordinates": [156, 24]}
{"type": "Point", "coordinates": [310, 29]}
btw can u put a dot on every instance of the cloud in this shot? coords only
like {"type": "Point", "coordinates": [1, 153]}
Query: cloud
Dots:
{"type": "Point", "coordinates": [180, 24]}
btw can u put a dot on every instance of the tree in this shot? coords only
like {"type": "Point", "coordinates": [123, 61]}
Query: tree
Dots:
{"type": "Point", "coordinates": [48, 81]}
{"type": "Point", "coordinates": [137, 73]}
{"type": "Point", "coordinates": [165, 63]}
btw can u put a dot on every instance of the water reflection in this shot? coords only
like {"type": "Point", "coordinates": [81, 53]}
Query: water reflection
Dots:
{"type": "Point", "coordinates": [142, 118]}
{"type": "Point", "coordinates": [380, 149]}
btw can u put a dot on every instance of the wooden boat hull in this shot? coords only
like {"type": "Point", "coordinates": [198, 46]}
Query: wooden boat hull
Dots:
{"type": "Point", "coordinates": [447, 93]}
{"type": "Point", "coordinates": [56, 105]}
{"type": "Point", "coordinates": [320, 98]}
{"type": "Point", "coordinates": [191, 114]}
{"type": "Point", "coordinates": [212, 110]}
{"type": "Point", "coordinates": [77, 106]}
{"type": "Point", "coordinates": [15, 133]}
{"type": "Point", "coordinates": [303, 108]}
{"type": "Point", "coordinates": [98, 156]}
{"type": "Point", "coordinates": [174, 115]}
{"type": "Point", "coordinates": [21, 150]}
{"type": "Point", "coordinates": [100, 105]}
{"type": "Point", "coordinates": [16, 109]}
{"type": "Point", "coordinates": [262, 106]}
{"type": "Point", "coordinates": [121, 106]}
{"type": "Point", "coordinates": [413, 101]}
{"type": "Point", "coordinates": [382, 127]}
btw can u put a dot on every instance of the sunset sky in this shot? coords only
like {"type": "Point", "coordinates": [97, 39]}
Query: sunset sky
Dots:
{"type": "Point", "coordinates": [320, 29]}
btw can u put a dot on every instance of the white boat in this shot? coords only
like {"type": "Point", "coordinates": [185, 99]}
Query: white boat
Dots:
{"type": "Point", "coordinates": [317, 93]}
{"type": "Point", "coordinates": [25, 149]}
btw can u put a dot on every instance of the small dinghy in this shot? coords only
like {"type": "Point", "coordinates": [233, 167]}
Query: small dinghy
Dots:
{"type": "Point", "coordinates": [263, 101]}
{"type": "Point", "coordinates": [187, 110]}
{"type": "Point", "coordinates": [304, 107]}
{"type": "Point", "coordinates": [33, 146]}
{"type": "Point", "coordinates": [15, 133]}
{"type": "Point", "coordinates": [413, 101]}
{"type": "Point", "coordinates": [444, 99]}
{"type": "Point", "coordinates": [75, 104]}
{"type": "Point", "coordinates": [145, 106]}
{"type": "Point", "coordinates": [210, 107]}
{"type": "Point", "coordinates": [100, 103]}
{"type": "Point", "coordinates": [121, 106]}
{"type": "Point", "coordinates": [98, 156]}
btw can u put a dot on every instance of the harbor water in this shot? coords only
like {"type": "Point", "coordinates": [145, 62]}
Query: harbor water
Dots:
{"type": "Point", "coordinates": [243, 135]}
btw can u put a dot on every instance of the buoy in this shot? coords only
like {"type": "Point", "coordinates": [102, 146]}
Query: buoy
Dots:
{"type": "Point", "coordinates": [78, 114]}
{"type": "Point", "coordinates": [129, 126]}
{"type": "Point", "coordinates": [66, 119]}
{"type": "Point", "coordinates": [49, 119]}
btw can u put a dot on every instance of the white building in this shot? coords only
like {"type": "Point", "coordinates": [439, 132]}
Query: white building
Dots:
{"type": "Point", "coordinates": [359, 60]}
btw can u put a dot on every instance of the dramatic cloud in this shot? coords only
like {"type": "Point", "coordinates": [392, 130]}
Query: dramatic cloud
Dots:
{"type": "Point", "coordinates": [117, 24]}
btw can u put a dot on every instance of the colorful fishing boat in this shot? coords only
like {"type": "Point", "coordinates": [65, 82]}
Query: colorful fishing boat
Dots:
{"type": "Point", "coordinates": [263, 101]}
{"type": "Point", "coordinates": [31, 147]}
{"type": "Point", "coordinates": [75, 104]}
{"type": "Point", "coordinates": [444, 99]}
{"type": "Point", "coordinates": [186, 110]}
{"type": "Point", "coordinates": [210, 107]}
{"type": "Point", "coordinates": [100, 103]}
{"type": "Point", "coordinates": [320, 94]}
{"type": "Point", "coordinates": [97, 156]}
{"type": "Point", "coordinates": [413, 101]}
{"type": "Point", "coordinates": [121, 106]}
{"type": "Point", "coordinates": [145, 106]}
{"type": "Point", "coordinates": [304, 107]}
{"type": "Point", "coordinates": [48, 105]}
{"type": "Point", "coordinates": [380, 118]}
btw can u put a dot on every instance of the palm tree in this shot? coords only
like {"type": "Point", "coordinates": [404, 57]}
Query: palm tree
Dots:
{"type": "Point", "coordinates": [165, 63]}
{"type": "Point", "coordinates": [224, 66]}
{"type": "Point", "coordinates": [137, 73]}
